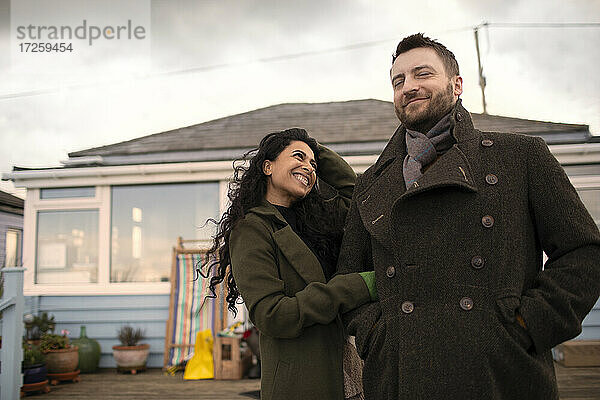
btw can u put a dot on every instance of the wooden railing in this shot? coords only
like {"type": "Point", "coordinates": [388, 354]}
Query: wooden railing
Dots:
{"type": "Point", "coordinates": [12, 305]}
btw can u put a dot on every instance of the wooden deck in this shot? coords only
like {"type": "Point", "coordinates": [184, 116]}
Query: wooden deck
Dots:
{"type": "Point", "coordinates": [574, 384]}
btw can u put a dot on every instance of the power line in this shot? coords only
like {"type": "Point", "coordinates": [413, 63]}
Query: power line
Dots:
{"type": "Point", "coordinates": [291, 56]}
{"type": "Point", "coordinates": [213, 67]}
{"type": "Point", "coordinates": [542, 24]}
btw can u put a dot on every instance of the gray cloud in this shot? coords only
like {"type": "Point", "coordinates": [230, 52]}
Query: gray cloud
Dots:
{"type": "Point", "coordinates": [538, 74]}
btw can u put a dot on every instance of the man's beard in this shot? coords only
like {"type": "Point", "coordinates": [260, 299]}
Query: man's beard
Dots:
{"type": "Point", "coordinates": [440, 104]}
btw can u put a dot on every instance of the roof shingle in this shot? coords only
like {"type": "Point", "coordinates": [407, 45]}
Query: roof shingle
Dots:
{"type": "Point", "coordinates": [336, 122]}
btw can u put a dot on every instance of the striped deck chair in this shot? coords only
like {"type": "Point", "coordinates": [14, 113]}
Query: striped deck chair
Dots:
{"type": "Point", "coordinates": [190, 311]}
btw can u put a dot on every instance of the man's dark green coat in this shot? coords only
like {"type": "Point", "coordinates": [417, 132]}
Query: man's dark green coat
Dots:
{"type": "Point", "coordinates": [457, 256]}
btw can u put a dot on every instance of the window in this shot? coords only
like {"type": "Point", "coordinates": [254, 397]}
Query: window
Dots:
{"type": "Point", "coordinates": [591, 199]}
{"type": "Point", "coordinates": [12, 248]}
{"type": "Point", "coordinates": [120, 239]}
{"type": "Point", "coordinates": [67, 247]}
{"type": "Point", "coordinates": [146, 221]}
{"type": "Point", "coordinates": [64, 193]}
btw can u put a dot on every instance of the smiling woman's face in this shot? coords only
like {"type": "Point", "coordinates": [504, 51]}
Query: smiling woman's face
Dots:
{"type": "Point", "coordinates": [291, 175]}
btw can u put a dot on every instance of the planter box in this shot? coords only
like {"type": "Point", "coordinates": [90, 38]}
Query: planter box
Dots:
{"type": "Point", "coordinates": [578, 353]}
{"type": "Point", "coordinates": [227, 358]}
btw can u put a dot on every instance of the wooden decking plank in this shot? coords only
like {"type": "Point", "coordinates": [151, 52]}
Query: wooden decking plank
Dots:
{"type": "Point", "coordinates": [573, 383]}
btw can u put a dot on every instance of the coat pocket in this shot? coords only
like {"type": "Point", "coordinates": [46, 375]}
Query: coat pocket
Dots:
{"type": "Point", "coordinates": [370, 341]}
{"type": "Point", "coordinates": [507, 306]}
{"type": "Point", "coordinates": [281, 381]}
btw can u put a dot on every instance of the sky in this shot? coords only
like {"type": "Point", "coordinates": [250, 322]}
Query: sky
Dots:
{"type": "Point", "coordinates": [201, 60]}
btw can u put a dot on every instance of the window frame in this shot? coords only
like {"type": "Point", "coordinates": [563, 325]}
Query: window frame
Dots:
{"type": "Point", "coordinates": [103, 178]}
{"type": "Point", "coordinates": [19, 259]}
{"type": "Point", "coordinates": [101, 202]}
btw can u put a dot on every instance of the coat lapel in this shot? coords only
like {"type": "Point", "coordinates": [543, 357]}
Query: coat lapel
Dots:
{"type": "Point", "coordinates": [450, 170]}
{"type": "Point", "coordinates": [300, 257]}
{"type": "Point", "coordinates": [297, 253]}
{"type": "Point", "coordinates": [453, 169]}
{"type": "Point", "coordinates": [375, 203]}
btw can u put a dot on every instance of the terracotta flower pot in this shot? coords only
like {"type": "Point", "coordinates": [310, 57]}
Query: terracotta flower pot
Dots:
{"type": "Point", "coordinates": [63, 360]}
{"type": "Point", "coordinates": [131, 357]}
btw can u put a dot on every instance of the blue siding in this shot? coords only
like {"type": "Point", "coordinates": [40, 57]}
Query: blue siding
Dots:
{"type": "Point", "coordinates": [591, 324]}
{"type": "Point", "coordinates": [103, 315]}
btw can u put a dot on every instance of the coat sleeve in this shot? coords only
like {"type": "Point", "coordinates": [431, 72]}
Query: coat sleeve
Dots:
{"type": "Point", "coordinates": [336, 172]}
{"type": "Point", "coordinates": [566, 289]}
{"type": "Point", "coordinates": [355, 256]}
{"type": "Point", "coordinates": [255, 270]}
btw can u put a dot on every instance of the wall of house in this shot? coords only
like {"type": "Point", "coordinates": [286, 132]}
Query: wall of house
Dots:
{"type": "Point", "coordinates": [7, 221]}
{"type": "Point", "coordinates": [591, 324]}
{"type": "Point", "coordinates": [103, 315]}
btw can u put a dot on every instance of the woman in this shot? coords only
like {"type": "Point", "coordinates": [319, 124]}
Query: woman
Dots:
{"type": "Point", "coordinates": [281, 238]}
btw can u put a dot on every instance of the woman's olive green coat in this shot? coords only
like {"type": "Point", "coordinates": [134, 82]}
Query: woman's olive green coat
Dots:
{"type": "Point", "coordinates": [295, 310]}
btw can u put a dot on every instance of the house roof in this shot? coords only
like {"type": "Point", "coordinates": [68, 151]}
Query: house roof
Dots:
{"type": "Point", "coordinates": [11, 204]}
{"type": "Point", "coordinates": [353, 121]}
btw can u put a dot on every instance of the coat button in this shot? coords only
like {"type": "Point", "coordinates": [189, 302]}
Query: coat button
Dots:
{"type": "Point", "coordinates": [487, 142]}
{"type": "Point", "coordinates": [390, 272]}
{"type": "Point", "coordinates": [407, 307]}
{"type": "Point", "coordinates": [487, 221]}
{"type": "Point", "coordinates": [491, 179]}
{"type": "Point", "coordinates": [459, 117]}
{"type": "Point", "coordinates": [466, 303]}
{"type": "Point", "coordinates": [477, 262]}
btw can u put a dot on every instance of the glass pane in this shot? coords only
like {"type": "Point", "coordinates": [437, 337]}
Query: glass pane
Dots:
{"type": "Point", "coordinates": [63, 193]}
{"type": "Point", "coordinates": [12, 247]}
{"type": "Point", "coordinates": [67, 246]}
{"type": "Point", "coordinates": [591, 199]}
{"type": "Point", "coordinates": [146, 221]}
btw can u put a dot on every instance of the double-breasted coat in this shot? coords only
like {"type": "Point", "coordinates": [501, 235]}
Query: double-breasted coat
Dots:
{"type": "Point", "coordinates": [295, 310]}
{"type": "Point", "coordinates": [457, 256]}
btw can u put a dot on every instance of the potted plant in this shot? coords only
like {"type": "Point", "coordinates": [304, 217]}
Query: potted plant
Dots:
{"type": "Point", "coordinates": [36, 326]}
{"type": "Point", "coordinates": [34, 364]}
{"type": "Point", "coordinates": [61, 356]}
{"type": "Point", "coordinates": [130, 356]}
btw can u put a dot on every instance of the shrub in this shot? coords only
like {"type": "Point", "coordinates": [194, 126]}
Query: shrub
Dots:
{"type": "Point", "coordinates": [51, 341]}
{"type": "Point", "coordinates": [129, 336]}
{"type": "Point", "coordinates": [32, 355]}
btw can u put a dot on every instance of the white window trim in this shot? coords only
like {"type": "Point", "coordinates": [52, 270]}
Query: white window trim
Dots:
{"type": "Point", "coordinates": [19, 232]}
{"type": "Point", "coordinates": [101, 202]}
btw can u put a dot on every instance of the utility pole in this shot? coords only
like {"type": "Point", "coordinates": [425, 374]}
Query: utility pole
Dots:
{"type": "Point", "coordinates": [481, 77]}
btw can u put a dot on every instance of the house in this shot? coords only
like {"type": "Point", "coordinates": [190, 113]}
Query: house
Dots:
{"type": "Point", "coordinates": [11, 230]}
{"type": "Point", "coordinates": [98, 231]}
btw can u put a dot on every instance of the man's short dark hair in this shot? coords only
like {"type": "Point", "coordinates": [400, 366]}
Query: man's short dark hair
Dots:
{"type": "Point", "coordinates": [419, 40]}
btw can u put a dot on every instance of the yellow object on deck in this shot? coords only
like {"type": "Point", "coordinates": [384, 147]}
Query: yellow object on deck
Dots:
{"type": "Point", "coordinates": [200, 365]}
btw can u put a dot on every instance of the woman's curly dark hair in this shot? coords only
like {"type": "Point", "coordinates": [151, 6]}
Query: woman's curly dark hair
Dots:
{"type": "Point", "coordinates": [321, 225]}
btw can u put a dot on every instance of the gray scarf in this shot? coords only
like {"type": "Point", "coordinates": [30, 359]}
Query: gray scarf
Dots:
{"type": "Point", "coordinates": [423, 149]}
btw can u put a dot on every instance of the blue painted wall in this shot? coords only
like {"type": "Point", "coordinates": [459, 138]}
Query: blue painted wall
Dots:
{"type": "Point", "coordinates": [591, 324]}
{"type": "Point", "coordinates": [103, 315]}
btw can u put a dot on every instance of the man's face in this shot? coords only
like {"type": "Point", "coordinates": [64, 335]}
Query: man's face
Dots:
{"type": "Point", "coordinates": [423, 93]}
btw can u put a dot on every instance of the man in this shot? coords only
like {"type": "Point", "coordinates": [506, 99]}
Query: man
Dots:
{"type": "Point", "coordinates": [454, 221]}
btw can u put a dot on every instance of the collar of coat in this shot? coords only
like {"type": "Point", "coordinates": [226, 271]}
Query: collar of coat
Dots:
{"type": "Point", "coordinates": [267, 209]}
{"type": "Point", "coordinates": [383, 190]}
{"type": "Point", "coordinates": [300, 257]}
{"type": "Point", "coordinates": [463, 130]}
